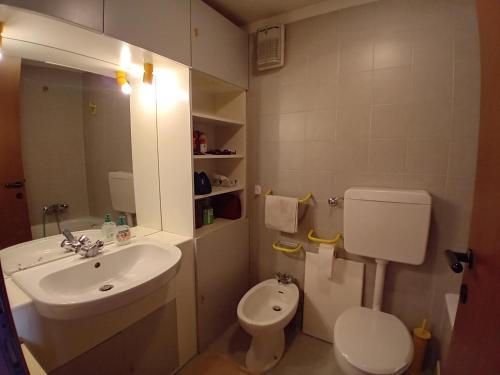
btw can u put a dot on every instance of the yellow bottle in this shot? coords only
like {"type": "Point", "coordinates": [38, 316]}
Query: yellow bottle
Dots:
{"type": "Point", "coordinates": [421, 337]}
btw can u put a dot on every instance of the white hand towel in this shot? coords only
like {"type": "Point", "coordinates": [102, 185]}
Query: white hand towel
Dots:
{"type": "Point", "coordinates": [282, 213]}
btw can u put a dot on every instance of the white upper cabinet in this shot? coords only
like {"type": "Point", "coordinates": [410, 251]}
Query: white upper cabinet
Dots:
{"type": "Point", "coordinates": [87, 13]}
{"type": "Point", "coordinates": [160, 26]}
{"type": "Point", "coordinates": [219, 47]}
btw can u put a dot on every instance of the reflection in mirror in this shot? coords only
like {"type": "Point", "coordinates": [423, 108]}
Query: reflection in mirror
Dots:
{"type": "Point", "coordinates": [76, 149]}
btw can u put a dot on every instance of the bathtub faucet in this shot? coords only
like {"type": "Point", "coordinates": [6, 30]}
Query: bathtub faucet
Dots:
{"type": "Point", "coordinates": [284, 278]}
{"type": "Point", "coordinates": [82, 246]}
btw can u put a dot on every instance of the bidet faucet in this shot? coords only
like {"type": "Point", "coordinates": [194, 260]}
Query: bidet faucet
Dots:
{"type": "Point", "coordinates": [82, 246]}
{"type": "Point", "coordinates": [284, 278]}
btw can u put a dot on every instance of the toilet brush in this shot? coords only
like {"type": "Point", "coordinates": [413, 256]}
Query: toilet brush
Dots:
{"type": "Point", "coordinates": [421, 337]}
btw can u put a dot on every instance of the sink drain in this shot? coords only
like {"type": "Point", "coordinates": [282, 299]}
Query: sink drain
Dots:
{"type": "Point", "coordinates": [277, 308]}
{"type": "Point", "coordinates": [106, 287]}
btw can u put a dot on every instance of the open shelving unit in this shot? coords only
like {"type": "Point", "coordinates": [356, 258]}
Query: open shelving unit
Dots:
{"type": "Point", "coordinates": [219, 111]}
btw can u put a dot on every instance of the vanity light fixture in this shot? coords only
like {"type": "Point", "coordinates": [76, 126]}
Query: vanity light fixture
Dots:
{"type": "Point", "coordinates": [148, 74]}
{"type": "Point", "coordinates": [121, 79]}
{"type": "Point", "coordinates": [1, 29]}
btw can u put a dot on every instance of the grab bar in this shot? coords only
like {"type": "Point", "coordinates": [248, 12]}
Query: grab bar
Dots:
{"type": "Point", "coordinates": [313, 238]}
{"type": "Point", "coordinates": [288, 249]}
{"type": "Point", "coordinates": [302, 200]}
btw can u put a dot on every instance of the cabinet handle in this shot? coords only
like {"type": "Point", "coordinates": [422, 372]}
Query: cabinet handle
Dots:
{"type": "Point", "coordinates": [195, 31]}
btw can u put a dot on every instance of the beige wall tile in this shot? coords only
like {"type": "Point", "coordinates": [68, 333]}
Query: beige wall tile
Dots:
{"type": "Point", "coordinates": [354, 121]}
{"type": "Point", "coordinates": [356, 51]}
{"type": "Point", "coordinates": [319, 156]}
{"type": "Point", "coordinates": [321, 125]}
{"type": "Point", "coordinates": [387, 156]}
{"type": "Point", "coordinates": [390, 121]}
{"type": "Point", "coordinates": [391, 85]}
{"type": "Point", "coordinates": [292, 126]}
{"type": "Point", "coordinates": [430, 120]}
{"type": "Point", "coordinates": [392, 49]}
{"type": "Point", "coordinates": [429, 157]}
{"type": "Point", "coordinates": [291, 155]}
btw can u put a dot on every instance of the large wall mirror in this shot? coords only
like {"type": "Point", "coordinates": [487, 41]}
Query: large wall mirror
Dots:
{"type": "Point", "coordinates": [74, 147]}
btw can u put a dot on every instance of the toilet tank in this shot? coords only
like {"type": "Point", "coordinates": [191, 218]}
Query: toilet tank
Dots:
{"type": "Point", "coordinates": [121, 188]}
{"type": "Point", "coordinates": [389, 224]}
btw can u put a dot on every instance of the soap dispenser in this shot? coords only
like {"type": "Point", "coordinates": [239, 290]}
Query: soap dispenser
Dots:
{"type": "Point", "coordinates": [123, 234]}
{"type": "Point", "coordinates": [108, 229]}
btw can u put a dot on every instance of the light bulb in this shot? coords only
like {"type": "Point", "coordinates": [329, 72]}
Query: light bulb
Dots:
{"type": "Point", "coordinates": [126, 88]}
{"type": "Point", "coordinates": [1, 55]}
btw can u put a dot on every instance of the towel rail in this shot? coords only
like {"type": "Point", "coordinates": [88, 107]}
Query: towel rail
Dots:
{"type": "Point", "coordinates": [301, 200]}
{"type": "Point", "coordinates": [311, 236]}
{"type": "Point", "coordinates": [289, 250]}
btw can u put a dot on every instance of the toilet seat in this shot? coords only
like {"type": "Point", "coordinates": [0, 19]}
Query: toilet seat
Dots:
{"type": "Point", "coordinates": [373, 341]}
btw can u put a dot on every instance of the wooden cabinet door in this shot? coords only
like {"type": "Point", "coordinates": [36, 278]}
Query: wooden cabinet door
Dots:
{"type": "Point", "coordinates": [87, 13]}
{"type": "Point", "coordinates": [160, 26]}
{"type": "Point", "coordinates": [219, 47]}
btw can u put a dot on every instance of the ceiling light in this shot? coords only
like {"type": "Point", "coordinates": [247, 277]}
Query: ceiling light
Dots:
{"type": "Point", "coordinates": [148, 74]}
{"type": "Point", "coordinates": [121, 79]}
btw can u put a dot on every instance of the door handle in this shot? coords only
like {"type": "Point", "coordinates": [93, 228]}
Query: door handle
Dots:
{"type": "Point", "coordinates": [455, 260]}
{"type": "Point", "coordinates": [14, 185]}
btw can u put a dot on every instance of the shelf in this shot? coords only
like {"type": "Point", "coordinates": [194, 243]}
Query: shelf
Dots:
{"type": "Point", "coordinates": [201, 157]}
{"type": "Point", "coordinates": [216, 190]}
{"type": "Point", "coordinates": [217, 224]}
{"type": "Point", "coordinates": [216, 120]}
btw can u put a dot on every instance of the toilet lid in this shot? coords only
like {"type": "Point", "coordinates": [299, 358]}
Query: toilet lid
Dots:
{"type": "Point", "coordinates": [373, 341]}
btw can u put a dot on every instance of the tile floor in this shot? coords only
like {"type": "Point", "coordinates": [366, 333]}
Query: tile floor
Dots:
{"type": "Point", "coordinates": [304, 354]}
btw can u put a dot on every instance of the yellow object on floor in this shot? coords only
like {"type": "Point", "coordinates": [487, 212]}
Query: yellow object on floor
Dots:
{"type": "Point", "coordinates": [214, 364]}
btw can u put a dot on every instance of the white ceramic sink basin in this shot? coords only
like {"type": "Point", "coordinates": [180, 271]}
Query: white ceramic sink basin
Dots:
{"type": "Point", "coordinates": [76, 287]}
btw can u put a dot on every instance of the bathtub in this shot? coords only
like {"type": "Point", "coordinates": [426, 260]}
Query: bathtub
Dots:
{"type": "Point", "coordinates": [73, 225]}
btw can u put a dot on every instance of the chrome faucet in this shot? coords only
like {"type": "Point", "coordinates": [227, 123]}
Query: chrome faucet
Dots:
{"type": "Point", "coordinates": [284, 278]}
{"type": "Point", "coordinates": [82, 246]}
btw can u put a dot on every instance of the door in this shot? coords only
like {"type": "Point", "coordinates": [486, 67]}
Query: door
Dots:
{"type": "Point", "coordinates": [475, 344]}
{"type": "Point", "coordinates": [14, 219]}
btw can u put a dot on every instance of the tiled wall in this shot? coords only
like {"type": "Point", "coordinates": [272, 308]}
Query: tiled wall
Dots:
{"type": "Point", "coordinates": [384, 94]}
{"type": "Point", "coordinates": [52, 140]}
{"type": "Point", "coordinates": [107, 138]}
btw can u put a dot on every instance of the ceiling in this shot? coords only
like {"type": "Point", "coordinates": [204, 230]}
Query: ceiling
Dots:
{"type": "Point", "coordinates": [243, 12]}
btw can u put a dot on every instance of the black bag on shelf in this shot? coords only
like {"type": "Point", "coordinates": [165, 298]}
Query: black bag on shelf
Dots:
{"type": "Point", "coordinates": [202, 184]}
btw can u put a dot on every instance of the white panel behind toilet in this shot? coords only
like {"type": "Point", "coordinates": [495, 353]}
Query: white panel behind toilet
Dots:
{"type": "Point", "coordinates": [328, 294]}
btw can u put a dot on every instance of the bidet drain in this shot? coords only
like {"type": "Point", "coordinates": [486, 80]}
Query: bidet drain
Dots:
{"type": "Point", "coordinates": [277, 308]}
{"type": "Point", "coordinates": [106, 287]}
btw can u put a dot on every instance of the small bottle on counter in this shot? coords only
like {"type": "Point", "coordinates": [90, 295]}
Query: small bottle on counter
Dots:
{"type": "Point", "coordinates": [208, 214]}
{"type": "Point", "coordinates": [108, 229]}
{"type": "Point", "coordinates": [123, 234]}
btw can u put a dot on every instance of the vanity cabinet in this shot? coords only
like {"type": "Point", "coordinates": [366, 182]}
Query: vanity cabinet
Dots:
{"type": "Point", "coordinates": [160, 26]}
{"type": "Point", "coordinates": [219, 47]}
{"type": "Point", "coordinates": [87, 13]}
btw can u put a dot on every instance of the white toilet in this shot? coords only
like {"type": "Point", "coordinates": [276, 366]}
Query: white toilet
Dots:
{"type": "Point", "coordinates": [121, 188]}
{"type": "Point", "coordinates": [388, 225]}
{"type": "Point", "coordinates": [263, 312]}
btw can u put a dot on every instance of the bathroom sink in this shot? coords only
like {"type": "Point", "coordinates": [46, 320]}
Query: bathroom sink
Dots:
{"type": "Point", "coordinates": [76, 287]}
